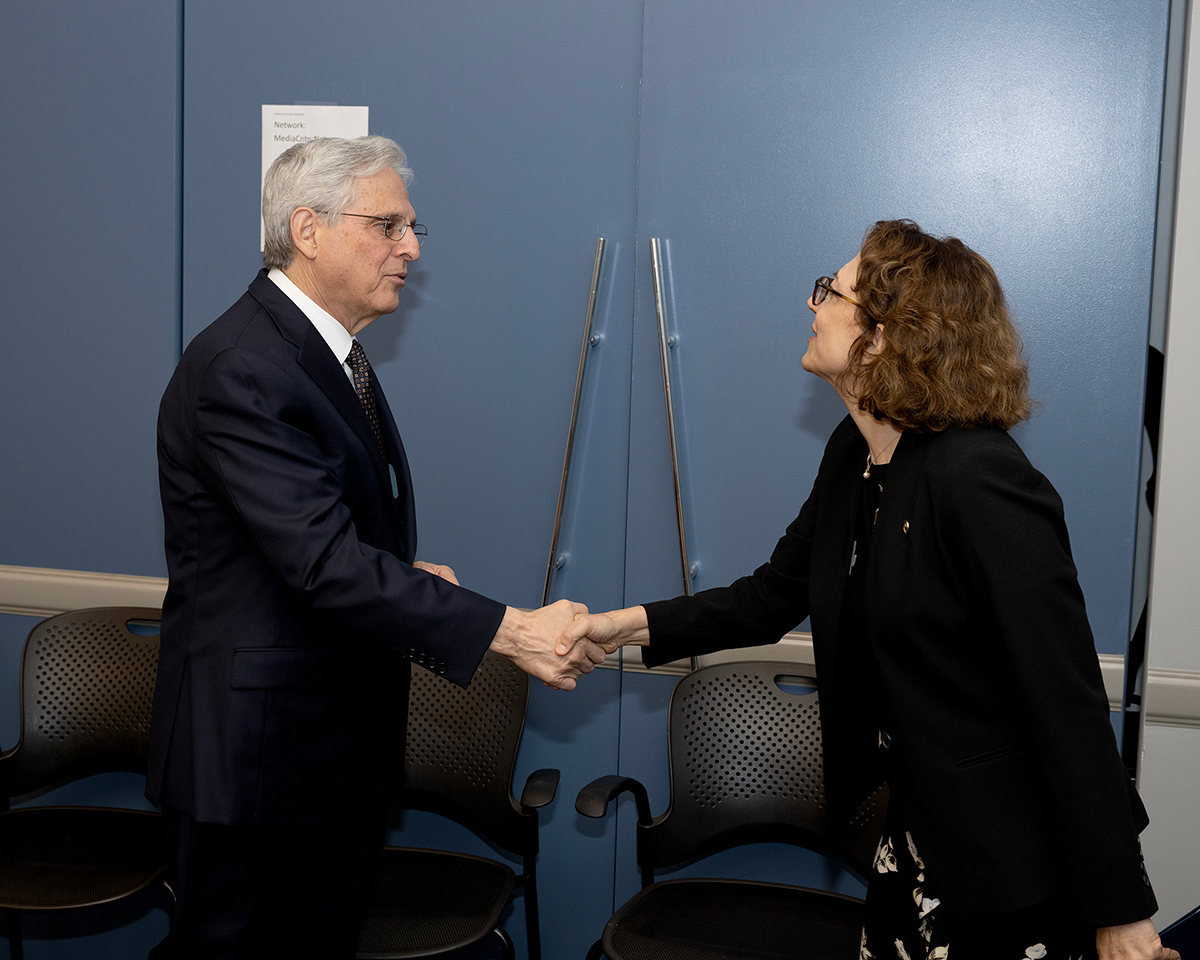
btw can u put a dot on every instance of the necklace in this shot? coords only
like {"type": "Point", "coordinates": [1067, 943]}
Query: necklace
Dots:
{"type": "Point", "coordinates": [871, 463]}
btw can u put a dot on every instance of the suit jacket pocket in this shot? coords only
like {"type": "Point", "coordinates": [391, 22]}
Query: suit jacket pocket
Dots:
{"type": "Point", "coordinates": [261, 668]}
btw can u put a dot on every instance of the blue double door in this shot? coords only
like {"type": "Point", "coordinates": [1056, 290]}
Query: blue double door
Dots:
{"type": "Point", "coordinates": [757, 143]}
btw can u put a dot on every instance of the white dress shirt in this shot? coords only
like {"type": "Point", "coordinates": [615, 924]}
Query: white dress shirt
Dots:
{"type": "Point", "coordinates": [332, 332]}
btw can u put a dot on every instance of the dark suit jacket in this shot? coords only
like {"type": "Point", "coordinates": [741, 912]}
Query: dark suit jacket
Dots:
{"type": "Point", "coordinates": [292, 610]}
{"type": "Point", "coordinates": [1003, 758]}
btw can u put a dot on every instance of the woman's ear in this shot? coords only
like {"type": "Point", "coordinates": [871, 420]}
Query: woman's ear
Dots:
{"type": "Point", "coordinates": [877, 337]}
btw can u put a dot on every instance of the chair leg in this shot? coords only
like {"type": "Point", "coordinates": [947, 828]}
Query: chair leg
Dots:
{"type": "Point", "coordinates": [507, 951]}
{"type": "Point", "coordinates": [597, 950]}
{"type": "Point", "coordinates": [533, 929]}
{"type": "Point", "coordinates": [16, 949]}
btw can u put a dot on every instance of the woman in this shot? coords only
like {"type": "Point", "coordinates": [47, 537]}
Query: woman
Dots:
{"type": "Point", "coordinates": [954, 657]}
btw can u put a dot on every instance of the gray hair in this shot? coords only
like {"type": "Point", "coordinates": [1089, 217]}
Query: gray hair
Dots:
{"type": "Point", "coordinates": [320, 174]}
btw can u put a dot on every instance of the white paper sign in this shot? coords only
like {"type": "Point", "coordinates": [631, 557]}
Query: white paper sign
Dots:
{"type": "Point", "coordinates": [283, 126]}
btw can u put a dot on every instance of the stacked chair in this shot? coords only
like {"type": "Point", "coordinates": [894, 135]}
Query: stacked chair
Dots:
{"type": "Point", "coordinates": [87, 683]}
{"type": "Point", "coordinates": [459, 763]}
{"type": "Point", "coordinates": [745, 767]}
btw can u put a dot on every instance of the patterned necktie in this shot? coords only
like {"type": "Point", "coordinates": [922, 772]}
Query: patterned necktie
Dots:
{"type": "Point", "coordinates": [366, 392]}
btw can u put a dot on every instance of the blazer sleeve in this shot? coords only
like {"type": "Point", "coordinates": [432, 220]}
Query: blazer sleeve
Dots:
{"type": "Point", "coordinates": [296, 495]}
{"type": "Point", "coordinates": [754, 610]}
{"type": "Point", "coordinates": [1005, 522]}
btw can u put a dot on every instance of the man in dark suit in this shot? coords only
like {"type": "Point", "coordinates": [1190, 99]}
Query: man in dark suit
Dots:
{"type": "Point", "coordinates": [295, 602]}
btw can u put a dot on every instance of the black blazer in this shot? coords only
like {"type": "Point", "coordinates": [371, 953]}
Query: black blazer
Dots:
{"type": "Point", "coordinates": [1002, 754]}
{"type": "Point", "coordinates": [292, 610]}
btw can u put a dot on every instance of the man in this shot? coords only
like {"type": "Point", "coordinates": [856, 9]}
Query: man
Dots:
{"type": "Point", "coordinates": [295, 603]}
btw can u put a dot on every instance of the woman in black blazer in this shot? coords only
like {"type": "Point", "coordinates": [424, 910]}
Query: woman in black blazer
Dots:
{"type": "Point", "coordinates": [954, 657]}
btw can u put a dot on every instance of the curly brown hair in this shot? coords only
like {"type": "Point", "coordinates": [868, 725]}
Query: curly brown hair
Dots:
{"type": "Point", "coordinates": [950, 355]}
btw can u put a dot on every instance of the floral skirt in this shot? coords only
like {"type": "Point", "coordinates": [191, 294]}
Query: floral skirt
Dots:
{"type": "Point", "coordinates": [905, 919]}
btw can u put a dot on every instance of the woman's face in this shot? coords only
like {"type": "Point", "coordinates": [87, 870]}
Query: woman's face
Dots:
{"type": "Point", "coordinates": [835, 328]}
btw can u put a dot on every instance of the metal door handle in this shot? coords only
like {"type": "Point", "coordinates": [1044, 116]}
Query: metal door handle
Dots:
{"type": "Point", "coordinates": [663, 346]}
{"type": "Point", "coordinates": [588, 341]}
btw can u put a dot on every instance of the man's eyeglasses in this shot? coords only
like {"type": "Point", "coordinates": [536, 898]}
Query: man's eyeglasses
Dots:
{"type": "Point", "coordinates": [823, 288]}
{"type": "Point", "coordinates": [394, 227]}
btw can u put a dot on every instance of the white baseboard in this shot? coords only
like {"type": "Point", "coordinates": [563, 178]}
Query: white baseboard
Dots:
{"type": "Point", "coordinates": [1172, 696]}
{"type": "Point", "coordinates": [43, 592]}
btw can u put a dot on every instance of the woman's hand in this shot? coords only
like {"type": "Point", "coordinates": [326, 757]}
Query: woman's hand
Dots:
{"type": "Point", "coordinates": [609, 631]}
{"type": "Point", "coordinates": [1132, 941]}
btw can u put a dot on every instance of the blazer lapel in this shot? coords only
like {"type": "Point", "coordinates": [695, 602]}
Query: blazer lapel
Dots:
{"type": "Point", "coordinates": [833, 543]}
{"type": "Point", "coordinates": [891, 542]}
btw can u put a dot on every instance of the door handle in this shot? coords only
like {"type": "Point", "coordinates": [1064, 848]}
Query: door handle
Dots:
{"type": "Point", "coordinates": [589, 341]}
{"type": "Point", "coordinates": [656, 271]}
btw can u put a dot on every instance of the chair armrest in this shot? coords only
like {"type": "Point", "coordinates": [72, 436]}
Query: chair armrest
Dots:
{"type": "Point", "coordinates": [593, 800]}
{"type": "Point", "coordinates": [540, 788]}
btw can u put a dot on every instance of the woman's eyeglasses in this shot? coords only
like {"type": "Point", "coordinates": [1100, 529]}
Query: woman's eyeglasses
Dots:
{"type": "Point", "coordinates": [823, 288]}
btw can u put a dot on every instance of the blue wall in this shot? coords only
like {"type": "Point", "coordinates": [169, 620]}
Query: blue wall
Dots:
{"type": "Point", "coordinates": [772, 137]}
{"type": "Point", "coordinates": [91, 266]}
{"type": "Point", "coordinates": [757, 142]}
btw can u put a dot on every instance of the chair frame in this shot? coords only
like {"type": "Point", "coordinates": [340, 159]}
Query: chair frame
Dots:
{"type": "Point", "coordinates": [87, 685]}
{"type": "Point", "coordinates": [449, 773]}
{"type": "Point", "coordinates": [796, 815]}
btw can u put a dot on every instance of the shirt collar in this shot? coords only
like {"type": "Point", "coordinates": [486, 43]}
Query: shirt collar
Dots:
{"type": "Point", "coordinates": [332, 332]}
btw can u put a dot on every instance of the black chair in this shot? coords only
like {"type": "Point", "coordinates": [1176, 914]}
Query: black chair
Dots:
{"type": "Point", "coordinates": [462, 750]}
{"type": "Point", "coordinates": [745, 766]}
{"type": "Point", "coordinates": [87, 682]}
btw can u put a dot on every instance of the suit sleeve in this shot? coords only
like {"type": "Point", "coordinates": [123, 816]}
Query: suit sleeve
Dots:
{"type": "Point", "coordinates": [259, 452]}
{"type": "Point", "coordinates": [1006, 522]}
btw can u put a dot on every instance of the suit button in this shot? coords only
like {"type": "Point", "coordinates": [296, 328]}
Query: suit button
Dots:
{"type": "Point", "coordinates": [885, 740]}
{"type": "Point", "coordinates": [442, 668]}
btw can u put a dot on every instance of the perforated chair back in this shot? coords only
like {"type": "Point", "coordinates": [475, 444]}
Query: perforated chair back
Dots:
{"type": "Point", "coordinates": [462, 750]}
{"type": "Point", "coordinates": [87, 684]}
{"type": "Point", "coordinates": [746, 766]}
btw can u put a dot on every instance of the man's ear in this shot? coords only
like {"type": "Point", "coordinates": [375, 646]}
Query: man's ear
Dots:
{"type": "Point", "coordinates": [303, 223]}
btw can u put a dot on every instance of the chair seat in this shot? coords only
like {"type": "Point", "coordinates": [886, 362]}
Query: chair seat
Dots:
{"type": "Point", "coordinates": [431, 901]}
{"type": "Point", "coordinates": [727, 919]}
{"type": "Point", "coordinates": [54, 858]}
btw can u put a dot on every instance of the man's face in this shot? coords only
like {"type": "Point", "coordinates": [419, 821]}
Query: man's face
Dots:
{"type": "Point", "coordinates": [358, 272]}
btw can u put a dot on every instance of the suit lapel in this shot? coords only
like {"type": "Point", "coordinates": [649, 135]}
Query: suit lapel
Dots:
{"type": "Point", "coordinates": [318, 361]}
{"type": "Point", "coordinates": [404, 499]}
{"type": "Point", "coordinates": [320, 364]}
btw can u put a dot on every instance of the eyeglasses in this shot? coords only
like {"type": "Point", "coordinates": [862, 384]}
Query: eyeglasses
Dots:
{"type": "Point", "coordinates": [823, 288]}
{"type": "Point", "coordinates": [394, 227]}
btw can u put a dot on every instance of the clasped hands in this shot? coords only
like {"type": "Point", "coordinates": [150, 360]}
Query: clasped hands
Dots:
{"type": "Point", "coordinates": [553, 643]}
{"type": "Point", "coordinates": [561, 642]}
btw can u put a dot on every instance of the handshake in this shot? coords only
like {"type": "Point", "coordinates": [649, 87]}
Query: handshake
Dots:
{"type": "Point", "coordinates": [561, 642]}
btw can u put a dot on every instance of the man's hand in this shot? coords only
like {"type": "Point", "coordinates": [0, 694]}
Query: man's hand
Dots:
{"type": "Point", "coordinates": [1132, 941]}
{"type": "Point", "coordinates": [528, 639]}
{"type": "Point", "coordinates": [608, 631]}
{"type": "Point", "coordinates": [438, 570]}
